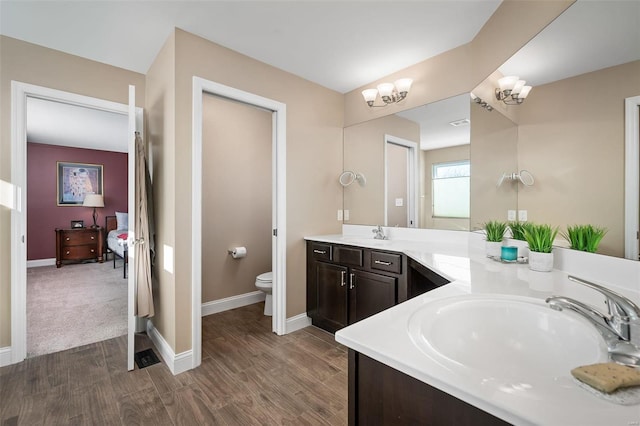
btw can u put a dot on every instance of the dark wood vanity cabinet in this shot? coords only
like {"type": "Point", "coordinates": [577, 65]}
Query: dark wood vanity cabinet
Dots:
{"type": "Point", "coordinates": [381, 395]}
{"type": "Point", "coordinates": [347, 284]}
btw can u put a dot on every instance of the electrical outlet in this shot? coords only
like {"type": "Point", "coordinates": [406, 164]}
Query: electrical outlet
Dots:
{"type": "Point", "coordinates": [399, 202]}
{"type": "Point", "coordinates": [340, 214]}
{"type": "Point", "coordinates": [511, 215]}
{"type": "Point", "coordinates": [522, 215]}
{"type": "Point", "coordinates": [346, 215]}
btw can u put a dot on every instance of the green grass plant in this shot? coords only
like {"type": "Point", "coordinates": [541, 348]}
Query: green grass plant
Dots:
{"type": "Point", "coordinates": [495, 230]}
{"type": "Point", "coordinates": [540, 237]}
{"type": "Point", "coordinates": [584, 237]}
{"type": "Point", "coordinates": [517, 229]}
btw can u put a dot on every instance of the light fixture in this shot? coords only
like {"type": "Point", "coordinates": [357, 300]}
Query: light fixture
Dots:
{"type": "Point", "coordinates": [524, 176]}
{"type": "Point", "coordinates": [482, 103]}
{"type": "Point", "coordinates": [348, 177]}
{"type": "Point", "coordinates": [389, 92]}
{"type": "Point", "coordinates": [512, 90]}
{"type": "Point", "coordinates": [93, 200]}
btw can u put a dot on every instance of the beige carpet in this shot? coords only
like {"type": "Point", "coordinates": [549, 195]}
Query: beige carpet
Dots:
{"type": "Point", "coordinates": [74, 305]}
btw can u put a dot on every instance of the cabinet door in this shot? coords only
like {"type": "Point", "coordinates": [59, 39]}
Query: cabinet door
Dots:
{"type": "Point", "coordinates": [369, 294]}
{"type": "Point", "coordinates": [331, 309]}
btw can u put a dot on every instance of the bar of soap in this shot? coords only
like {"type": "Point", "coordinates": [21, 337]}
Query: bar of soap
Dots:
{"type": "Point", "coordinates": [607, 377]}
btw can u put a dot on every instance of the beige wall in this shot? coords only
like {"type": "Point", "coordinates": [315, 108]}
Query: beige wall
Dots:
{"type": "Point", "coordinates": [236, 203]}
{"type": "Point", "coordinates": [397, 160]}
{"type": "Point", "coordinates": [314, 144]}
{"type": "Point", "coordinates": [427, 160]}
{"type": "Point", "coordinates": [29, 63]}
{"type": "Point", "coordinates": [493, 152]}
{"type": "Point", "coordinates": [160, 101]}
{"type": "Point", "coordinates": [364, 153]}
{"type": "Point", "coordinates": [571, 138]}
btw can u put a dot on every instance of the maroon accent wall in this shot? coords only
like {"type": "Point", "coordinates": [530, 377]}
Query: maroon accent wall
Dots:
{"type": "Point", "coordinates": [43, 213]}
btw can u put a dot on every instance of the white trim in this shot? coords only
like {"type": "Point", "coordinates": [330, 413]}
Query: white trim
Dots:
{"type": "Point", "coordinates": [5, 356]}
{"type": "Point", "coordinates": [41, 262]}
{"type": "Point", "coordinates": [226, 304]}
{"type": "Point", "coordinates": [412, 179]}
{"type": "Point", "coordinates": [177, 363]}
{"type": "Point", "coordinates": [279, 205]}
{"type": "Point", "coordinates": [631, 177]}
{"type": "Point", "coordinates": [19, 93]}
{"type": "Point", "coordinates": [298, 322]}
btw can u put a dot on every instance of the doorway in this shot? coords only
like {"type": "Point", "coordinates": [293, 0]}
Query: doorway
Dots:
{"type": "Point", "coordinates": [278, 214]}
{"type": "Point", "coordinates": [21, 92]}
{"type": "Point", "coordinates": [400, 188]}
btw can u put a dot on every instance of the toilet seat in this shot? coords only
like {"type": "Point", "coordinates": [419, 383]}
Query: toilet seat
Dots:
{"type": "Point", "coordinates": [266, 277]}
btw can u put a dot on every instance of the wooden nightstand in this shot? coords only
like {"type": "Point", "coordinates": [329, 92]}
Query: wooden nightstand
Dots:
{"type": "Point", "coordinates": [77, 245]}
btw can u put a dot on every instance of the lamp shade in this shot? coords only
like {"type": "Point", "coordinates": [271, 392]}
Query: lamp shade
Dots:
{"type": "Point", "coordinates": [370, 95]}
{"type": "Point", "coordinates": [385, 89]}
{"type": "Point", "coordinates": [93, 200]}
{"type": "Point", "coordinates": [403, 84]}
{"type": "Point", "coordinates": [507, 83]}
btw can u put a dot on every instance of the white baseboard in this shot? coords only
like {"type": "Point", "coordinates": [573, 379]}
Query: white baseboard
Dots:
{"type": "Point", "coordinates": [41, 262]}
{"type": "Point", "coordinates": [5, 356]}
{"type": "Point", "coordinates": [297, 323]}
{"type": "Point", "coordinates": [177, 363]}
{"type": "Point", "coordinates": [232, 302]}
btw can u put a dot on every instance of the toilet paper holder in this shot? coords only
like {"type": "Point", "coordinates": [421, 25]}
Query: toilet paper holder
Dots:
{"type": "Point", "coordinates": [237, 252]}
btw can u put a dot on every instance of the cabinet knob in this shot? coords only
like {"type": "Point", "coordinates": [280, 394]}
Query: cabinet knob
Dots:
{"type": "Point", "coordinates": [68, 252]}
{"type": "Point", "coordinates": [92, 251]}
{"type": "Point", "coordinates": [320, 251]}
{"type": "Point", "coordinates": [380, 262]}
{"type": "Point", "coordinates": [343, 280]}
{"type": "Point", "coordinates": [352, 281]}
{"type": "Point", "coordinates": [67, 238]}
{"type": "Point", "coordinates": [93, 238]}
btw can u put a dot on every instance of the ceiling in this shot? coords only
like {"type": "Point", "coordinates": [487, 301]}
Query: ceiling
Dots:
{"type": "Point", "coordinates": [341, 45]}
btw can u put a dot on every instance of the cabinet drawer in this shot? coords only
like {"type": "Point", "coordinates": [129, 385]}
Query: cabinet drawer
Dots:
{"type": "Point", "coordinates": [79, 252]}
{"type": "Point", "coordinates": [386, 262]}
{"type": "Point", "coordinates": [347, 255]}
{"type": "Point", "coordinates": [321, 251]}
{"type": "Point", "coordinates": [78, 237]}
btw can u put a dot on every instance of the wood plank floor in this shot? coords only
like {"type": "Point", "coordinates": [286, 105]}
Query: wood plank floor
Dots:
{"type": "Point", "coordinates": [248, 376]}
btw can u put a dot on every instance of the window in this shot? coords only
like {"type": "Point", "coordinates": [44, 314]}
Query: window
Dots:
{"type": "Point", "coordinates": [451, 189]}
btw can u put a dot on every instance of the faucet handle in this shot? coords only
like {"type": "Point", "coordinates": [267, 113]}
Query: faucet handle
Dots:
{"type": "Point", "coordinates": [619, 306]}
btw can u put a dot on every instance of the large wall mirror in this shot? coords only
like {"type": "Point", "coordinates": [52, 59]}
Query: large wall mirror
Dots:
{"type": "Point", "coordinates": [569, 133]}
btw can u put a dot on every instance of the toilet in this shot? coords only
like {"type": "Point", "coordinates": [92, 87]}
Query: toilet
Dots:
{"type": "Point", "coordinates": [264, 282]}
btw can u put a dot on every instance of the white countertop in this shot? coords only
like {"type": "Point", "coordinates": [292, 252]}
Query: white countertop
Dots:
{"type": "Point", "coordinates": [459, 257]}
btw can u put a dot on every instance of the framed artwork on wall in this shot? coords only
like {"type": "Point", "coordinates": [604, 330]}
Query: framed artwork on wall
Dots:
{"type": "Point", "coordinates": [77, 224]}
{"type": "Point", "coordinates": [75, 180]}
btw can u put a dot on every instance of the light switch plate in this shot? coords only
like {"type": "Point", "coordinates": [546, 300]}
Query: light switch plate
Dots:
{"type": "Point", "coordinates": [346, 215]}
{"type": "Point", "coordinates": [399, 202]}
{"type": "Point", "coordinates": [522, 215]}
{"type": "Point", "coordinates": [340, 214]}
{"type": "Point", "coordinates": [511, 215]}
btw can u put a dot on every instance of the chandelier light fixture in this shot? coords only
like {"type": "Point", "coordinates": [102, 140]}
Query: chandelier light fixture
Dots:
{"type": "Point", "coordinates": [512, 90]}
{"type": "Point", "coordinates": [390, 93]}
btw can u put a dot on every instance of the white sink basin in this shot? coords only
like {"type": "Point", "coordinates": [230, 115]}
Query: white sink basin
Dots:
{"type": "Point", "coordinates": [512, 339]}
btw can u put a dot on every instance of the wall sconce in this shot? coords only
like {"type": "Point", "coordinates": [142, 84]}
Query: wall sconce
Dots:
{"type": "Point", "coordinates": [512, 90]}
{"type": "Point", "coordinates": [525, 177]}
{"type": "Point", "coordinates": [348, 177]}
{"type": "Point", "coordinates": [482, 103]}
{"type": "Point", "coordinates": [389, 93]}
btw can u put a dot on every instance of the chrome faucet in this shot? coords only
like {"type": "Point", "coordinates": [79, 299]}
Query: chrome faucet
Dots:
{"type": "Point", "coordinates": [379, 233]}
{"type": "Point", "coordinates": [613, 326]}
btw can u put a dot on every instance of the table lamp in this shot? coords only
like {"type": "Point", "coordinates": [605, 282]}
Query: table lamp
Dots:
{"type": "Point", "coordinates": [93, 200]}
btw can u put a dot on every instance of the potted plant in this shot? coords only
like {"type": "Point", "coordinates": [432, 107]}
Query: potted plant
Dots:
{"type": "Point", "coordinates": [494, 231]}
{"type": "Point", "coordinates": [517, 233]}
{"type": "Point", "coordinates": [584, 237]}
{"type": "Point", "coordinates": [540, 239]}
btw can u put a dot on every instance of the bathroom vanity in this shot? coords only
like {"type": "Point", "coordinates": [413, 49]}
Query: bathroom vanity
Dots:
{"type": "Point", "coordinates": [477, 346]}
{"type": "Point", "coordinates": [346, 284]}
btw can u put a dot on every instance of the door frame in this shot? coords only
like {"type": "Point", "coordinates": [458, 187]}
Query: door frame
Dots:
{"type": "Point", "coordinates": [278, 204]}
{"type": "Point", "coordinates": [412, 179]}
{"type": "Point", "coordinates": [19, 94]}
{"type": "Point", "coordinates": [632, 177]}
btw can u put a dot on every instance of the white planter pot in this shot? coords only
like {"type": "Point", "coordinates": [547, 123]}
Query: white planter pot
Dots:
{"type": "Point", "coordinates": [493, 248]}
{"type": "Point", "coordinates": [541, 262]}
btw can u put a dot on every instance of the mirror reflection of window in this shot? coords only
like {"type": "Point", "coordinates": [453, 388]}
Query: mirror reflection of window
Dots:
{"type": "Point", "coordinates": [451, 189]}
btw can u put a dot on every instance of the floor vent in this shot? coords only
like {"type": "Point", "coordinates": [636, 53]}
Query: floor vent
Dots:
{"type": "Point", "coordinates": [146, 358]}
